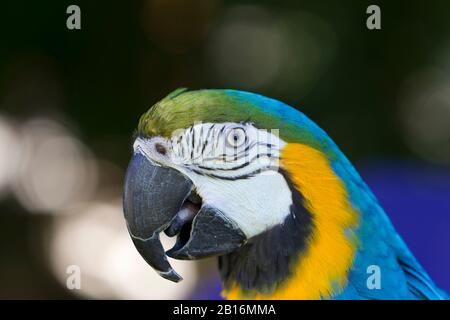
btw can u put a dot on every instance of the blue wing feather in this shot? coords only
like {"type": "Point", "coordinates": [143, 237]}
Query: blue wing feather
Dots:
{"type": "Point", "coordinates": [402, 277]}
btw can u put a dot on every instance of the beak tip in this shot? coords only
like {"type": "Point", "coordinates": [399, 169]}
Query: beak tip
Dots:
{"type": "Point", "coordinates": [171, 275]}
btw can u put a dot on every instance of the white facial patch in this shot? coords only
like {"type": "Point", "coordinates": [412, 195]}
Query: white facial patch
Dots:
{"type": "Point", "coordinates": [227, 150]}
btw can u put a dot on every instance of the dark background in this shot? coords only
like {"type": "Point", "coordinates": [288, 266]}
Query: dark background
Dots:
{"type": "Point", "coordinates": [70, 100]}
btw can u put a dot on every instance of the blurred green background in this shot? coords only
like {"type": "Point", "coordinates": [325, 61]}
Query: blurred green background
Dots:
{"type": "Point", "coordinates": [70, 100]}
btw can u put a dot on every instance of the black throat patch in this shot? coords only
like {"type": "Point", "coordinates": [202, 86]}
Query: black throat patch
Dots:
{"type": "Point", "coordinates": [265, 261]}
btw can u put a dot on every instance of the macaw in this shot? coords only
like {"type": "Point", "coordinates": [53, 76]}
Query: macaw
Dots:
{"type": "Point", "coordinates": [256, 183]}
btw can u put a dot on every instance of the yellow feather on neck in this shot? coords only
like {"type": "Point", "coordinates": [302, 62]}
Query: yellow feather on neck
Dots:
{"type": "Point", "coordinates": [322, 269]}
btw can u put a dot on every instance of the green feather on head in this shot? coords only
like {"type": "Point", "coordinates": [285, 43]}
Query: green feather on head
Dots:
{"type": "Point", "coordinates": [183, 108]}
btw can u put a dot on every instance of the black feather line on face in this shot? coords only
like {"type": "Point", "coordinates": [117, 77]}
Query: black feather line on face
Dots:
{"type": "Point", "coordinates": [267, 259]}
{"type": "Point", "coordinates": [192, 136]}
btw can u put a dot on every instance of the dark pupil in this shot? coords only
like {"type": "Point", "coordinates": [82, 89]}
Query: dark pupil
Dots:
{"type": "Point", "coordinates": [160, 148]}
{"type": "Point", "coordinates": [235, 137]}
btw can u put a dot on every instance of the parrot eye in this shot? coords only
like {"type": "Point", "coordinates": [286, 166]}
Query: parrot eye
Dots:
{"type": "Point", "coordinates": [236, 137]}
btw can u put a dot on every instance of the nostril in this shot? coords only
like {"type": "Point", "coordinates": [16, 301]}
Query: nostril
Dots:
{"type": "Point", "coordinates": [160, 148]}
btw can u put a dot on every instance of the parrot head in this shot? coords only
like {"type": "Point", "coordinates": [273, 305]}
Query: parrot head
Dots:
{"type": "Point", "coordinates": [206, 169]}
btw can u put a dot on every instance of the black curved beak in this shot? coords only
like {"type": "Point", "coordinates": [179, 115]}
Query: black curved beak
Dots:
{"type": "Point", "coordinates": [152, 197]}
{"type": "Point", "coordinates": [156, 199]}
